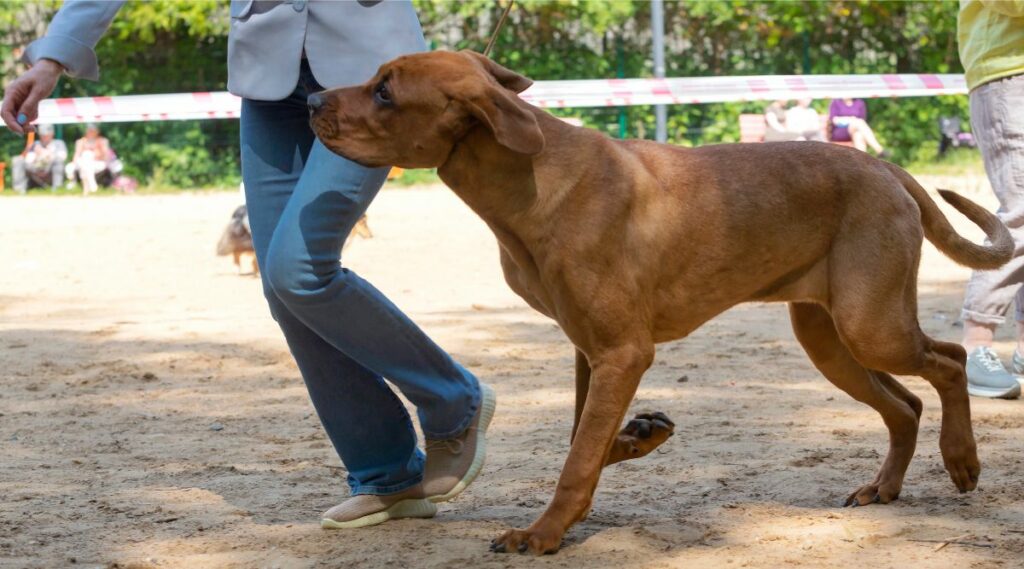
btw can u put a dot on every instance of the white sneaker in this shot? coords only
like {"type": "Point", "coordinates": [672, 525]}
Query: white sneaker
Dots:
{"type": "Point", "coordinates": [1017, 367]}
{"type": "Point", "coordinates": [987, 376]}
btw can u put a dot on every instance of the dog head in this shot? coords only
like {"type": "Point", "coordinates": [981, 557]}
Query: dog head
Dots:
{"type": "Point", "coordinates": [418, 106]}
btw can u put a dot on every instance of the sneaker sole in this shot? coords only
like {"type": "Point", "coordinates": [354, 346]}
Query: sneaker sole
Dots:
{"type": "Point", "coordinates": [1011, 392]}
{"type": "Point", "coordinates": [404, 509]}
{"type": "Point", "coordinates": [488, 402]}
{"type": "Point", "coordinates": [1019, 377]}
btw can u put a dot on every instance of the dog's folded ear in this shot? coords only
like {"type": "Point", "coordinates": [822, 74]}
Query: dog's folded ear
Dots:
{"type": "Point", "coordinates": [513, 126]}
{"type": "Point", "coordinates": [507, 116]}
{"type": "Point", "coordinates": [505, 77]}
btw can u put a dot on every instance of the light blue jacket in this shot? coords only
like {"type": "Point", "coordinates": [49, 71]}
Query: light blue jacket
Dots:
{"type": "Point", "coordinates": [345, 41]}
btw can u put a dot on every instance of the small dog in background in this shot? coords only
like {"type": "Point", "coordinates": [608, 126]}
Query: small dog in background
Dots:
{"type": "Point", "coordinates": [237, 238]}
{"type": "Point", "coordinates": [361, 229]}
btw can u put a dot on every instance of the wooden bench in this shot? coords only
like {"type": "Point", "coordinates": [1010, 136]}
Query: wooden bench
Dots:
{"type": "Point", "coordinates": [753, 127]}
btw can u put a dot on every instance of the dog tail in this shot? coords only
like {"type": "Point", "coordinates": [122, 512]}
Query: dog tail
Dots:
{"type": "Point", "coordinates": [940, 232]}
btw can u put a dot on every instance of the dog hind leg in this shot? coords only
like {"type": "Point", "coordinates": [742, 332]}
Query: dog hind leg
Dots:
{"type": "Point", "coordinates": [885, 335]}
{"type": "Point", "coordinates": [816, 332]}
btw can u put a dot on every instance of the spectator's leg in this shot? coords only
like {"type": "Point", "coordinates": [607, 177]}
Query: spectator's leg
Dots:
{"type": "Point", "coordinates": [56, 175]}
{"type": "Point", "coordinates": [859, 127]}
{"type": "Point", "coordinates": [999, 129]}
{"type": "Point", "coordinates": [85, 176]}
{"type": "Point", "coordinates": [1018, 301]}
{"type": "Point", "coordinates": [977, 332]}
{"type": "Point", "coordinates": [857, 138]}
{"type": "Point", "coordinates": [813, 135]}
{"type": "Point", "coordinates": [69, 173]}
{"type": "Point", "coordinates": [87, 173]}
{"type": "Point", "coordinates": [101, 172]}
{"type": "Point", "coordinates": [19, 176]}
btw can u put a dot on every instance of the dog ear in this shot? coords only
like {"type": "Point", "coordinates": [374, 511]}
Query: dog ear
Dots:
{"type": "Point", "coordinates": [505, 77]}
{"type": "Point", "coordinates": [492, 100]}
{"type": "Point", "coordinates": [508, 117]}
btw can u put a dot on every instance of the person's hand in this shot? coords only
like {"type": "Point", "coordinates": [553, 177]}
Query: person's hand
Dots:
{"type": "Point", "coordinates": [21, 99]}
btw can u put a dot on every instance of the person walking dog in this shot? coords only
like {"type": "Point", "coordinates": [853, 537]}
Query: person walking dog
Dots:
{"type": "Point", "coordinates": [345, 335]}
{"type": "Point", "coordinates": [991, 37]}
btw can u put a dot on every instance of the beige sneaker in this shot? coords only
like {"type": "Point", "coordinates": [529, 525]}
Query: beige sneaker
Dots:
{"type": "Point", "coordinates": [369, 510]}
{"type": "Point", "coordinates": [452, 464]}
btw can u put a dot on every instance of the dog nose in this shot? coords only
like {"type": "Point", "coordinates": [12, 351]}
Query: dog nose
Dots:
{"type": "Point", "coordinates": [314, 101]}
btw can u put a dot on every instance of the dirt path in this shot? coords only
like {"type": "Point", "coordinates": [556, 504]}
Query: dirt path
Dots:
{"type": "Point", "coordinates": [151, 416]}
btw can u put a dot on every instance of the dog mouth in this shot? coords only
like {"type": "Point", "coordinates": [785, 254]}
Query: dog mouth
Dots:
{"type": "Point", "coordinates": [325, 130]}
{"type": "Point", "coordinates": [345, 153]}
{"type": "Point", "coordinates": [330, 134]}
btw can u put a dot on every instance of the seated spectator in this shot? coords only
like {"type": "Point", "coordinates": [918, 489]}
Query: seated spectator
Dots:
{"type": "Point", "coordinates": [775, 119]}
{"type": "Point", "coordinates": [92, 157]}
{"type": "Point", "coordinates": [803, 121]}
{"type": "Point", "coordinates": [849, 121]}
{"type": "Point", "coordinates": [41, 163]}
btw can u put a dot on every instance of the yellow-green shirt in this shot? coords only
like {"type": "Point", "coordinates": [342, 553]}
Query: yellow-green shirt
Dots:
{"type": "Point", "coordinates": [991, 36]}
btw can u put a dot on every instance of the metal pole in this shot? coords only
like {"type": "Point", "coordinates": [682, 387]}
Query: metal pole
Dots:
{"type": "Point", "coordinates": [807, 53]}
{"type": "Point", "coordinates": [620, 72]}
{"type": "Point", "coordinates": [658, 37]}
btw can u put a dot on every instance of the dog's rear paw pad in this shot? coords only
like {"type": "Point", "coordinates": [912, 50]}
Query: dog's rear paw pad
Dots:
{"type": "Point", "coordinates": [644, 433]}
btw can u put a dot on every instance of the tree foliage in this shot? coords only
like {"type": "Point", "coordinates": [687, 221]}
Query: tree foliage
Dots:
{"type": "Point", "coordinates": [181, 45]}
{"type": "Point", "coordinates": [577, 40]}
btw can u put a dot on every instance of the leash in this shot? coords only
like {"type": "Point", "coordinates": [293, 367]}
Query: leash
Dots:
{"type": "Point", "coordinates": [497, 28]}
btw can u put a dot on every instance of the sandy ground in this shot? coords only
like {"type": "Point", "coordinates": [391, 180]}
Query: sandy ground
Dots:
{"type": "Point", "coordinates": [150, 415]}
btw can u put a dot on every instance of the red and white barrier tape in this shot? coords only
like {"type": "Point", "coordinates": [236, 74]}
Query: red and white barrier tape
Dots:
{"type": "Point", "coordinates": [695, 90]}
{"type": "Point", "coordinates": [545, 94]}
{"type": "Point", "coordinates": [129, 108]}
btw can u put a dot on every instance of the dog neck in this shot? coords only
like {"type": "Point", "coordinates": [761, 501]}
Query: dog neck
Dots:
{"type": "Point", "coordinates": [495, 182]}
{"type": "Point", "coordinates": [499, 184]}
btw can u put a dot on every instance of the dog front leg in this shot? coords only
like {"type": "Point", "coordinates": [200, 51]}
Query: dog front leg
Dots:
{"type": "Point", "coordinates": [643, 434]}
{"type": "Point", "coordinates": [616, 375]}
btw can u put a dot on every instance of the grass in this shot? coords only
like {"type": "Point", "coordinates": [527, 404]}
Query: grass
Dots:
{"type": "Point", "coordinates": [956, 162]}
{"type": "Point", "coordinates": [423, 177]}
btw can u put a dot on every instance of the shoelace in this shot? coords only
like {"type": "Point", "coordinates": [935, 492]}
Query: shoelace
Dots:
{"type": "Point", "coordinates": [990, 361]}
{"type": "Point", "coordinates": [453, 446]}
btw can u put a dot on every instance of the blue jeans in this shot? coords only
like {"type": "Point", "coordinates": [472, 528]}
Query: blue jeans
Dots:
{"type": "Point", "coordinates": [345, 335]}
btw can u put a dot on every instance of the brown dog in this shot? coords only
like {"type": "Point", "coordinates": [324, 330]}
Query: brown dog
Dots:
{"type": "Point", "coordinates": [361, 229]}
{"type": "Point", "coordinates": [237, 240]}
{"type": "Point", "coordinates": [630, 243]}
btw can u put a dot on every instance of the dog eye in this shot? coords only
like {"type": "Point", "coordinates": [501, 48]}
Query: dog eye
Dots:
{"type": "Point", "coordinates": [382, 94]}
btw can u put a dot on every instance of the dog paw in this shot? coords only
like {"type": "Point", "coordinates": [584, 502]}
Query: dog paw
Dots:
{"type": "Point", "coordinates": [526, 541]}
{"type": "Point", "coordinates": [963, 466]}
{"type": "Point", "coordinates": [644, 433]}
{"type": "Point", "coordinates": [872, 494]}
